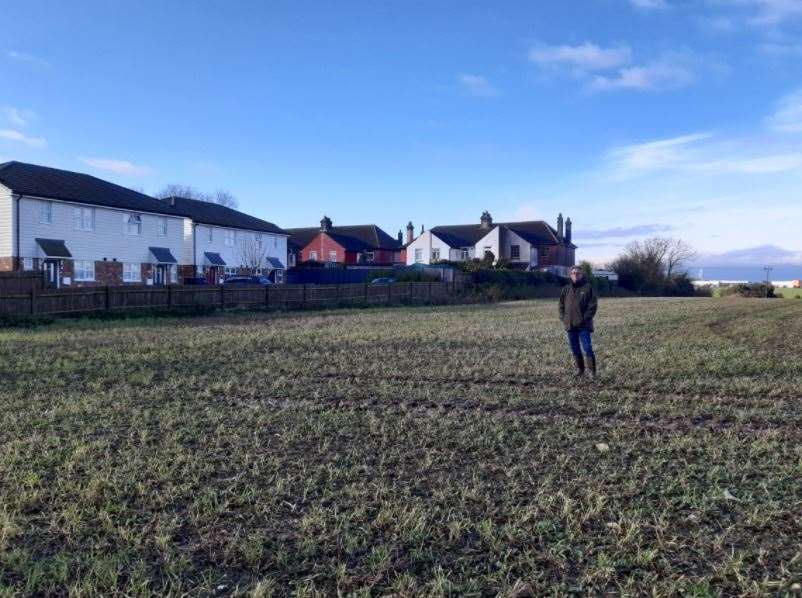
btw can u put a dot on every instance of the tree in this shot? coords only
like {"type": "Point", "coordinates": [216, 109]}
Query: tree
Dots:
{"type": "Point", "coordinates": [221, 196]}
{"type": "Point", "coordinates": [253, 253]}
{"type": "Point", "coordinates": [678, 254]}
{"type": "Point", "coordinates": [652, 265]}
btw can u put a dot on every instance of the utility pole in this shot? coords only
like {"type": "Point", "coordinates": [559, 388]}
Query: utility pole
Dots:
{"type": "Point", "coordinates": [768, 270]}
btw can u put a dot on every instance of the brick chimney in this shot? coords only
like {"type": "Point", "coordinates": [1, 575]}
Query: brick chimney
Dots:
{"type": "Point", "coordinates": [560, 226]}
{"type": "Point", "coordinates": [400, 237]}
{"type": "Point", "coordinates": [410, 232]}
{"type": "Point", "coordinates": [486, 220]}
{"type": "Point", "coordinates": [568, 231]}
{"type": "Point", "coordinates": [325, 224]}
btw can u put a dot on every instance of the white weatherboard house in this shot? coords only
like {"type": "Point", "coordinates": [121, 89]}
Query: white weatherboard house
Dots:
{"type": "Point", "coordinates": [220, 241]}
{"type": "Point", "coordinates": [82, 230]}
{"type": "Point", "coordinates": [526, 245]}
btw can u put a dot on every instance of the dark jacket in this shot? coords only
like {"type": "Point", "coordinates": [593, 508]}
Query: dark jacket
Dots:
{"type": "Point", "coordinates": [578, 305]}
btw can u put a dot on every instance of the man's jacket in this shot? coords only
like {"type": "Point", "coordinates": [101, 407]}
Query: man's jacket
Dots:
{"type": "Point", "coordinates": [578, 305]}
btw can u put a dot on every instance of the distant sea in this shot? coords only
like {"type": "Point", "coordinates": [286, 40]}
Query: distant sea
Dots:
{"type": "Point", "coordinates": [749, 273]}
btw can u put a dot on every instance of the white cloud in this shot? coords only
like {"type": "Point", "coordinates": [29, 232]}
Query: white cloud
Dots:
{"type": "Point", "coordinates": [584, 57]}
{"type": "Point", "coordinates": [787, 117]}
{"type": "Point", "coordinates": [649, 4]}
{"type": "Point", "coordinates": [118, 166]}
{"type": "Point", "coordinates": [762, 254]}
{"type": "Point", "coordinates": [477, 86]}
{"type": "Point", "coordinates": [652, 77]}
{"type": "Point", "coordinates": [653, 155]}
{"type": "Point", "coordinates": [13, 135]}
{"type": "Point", "coordinates": [27, 58]}
{"type": "Point", "coordinates": [762, 13]}
{"type": "Point", "coordinates": [17, 117]}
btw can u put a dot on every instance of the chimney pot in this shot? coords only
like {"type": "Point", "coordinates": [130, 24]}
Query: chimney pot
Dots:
{"type": "Point", "coordinates": [486, 220]}
{"type": "Point", "coordinates": [568, 231]}
{"type": "Point", "coordinates": [410, 232]}
{"type": "Point", "coordinates": [325, 224]}
{"type": "Point", "coordinates": [560, 226]}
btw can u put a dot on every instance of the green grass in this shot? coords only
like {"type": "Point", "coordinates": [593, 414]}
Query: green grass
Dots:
{"type": "Point", "coordinates": [415, 451]}
{"type": "Point", "coordinates": [788, 293]}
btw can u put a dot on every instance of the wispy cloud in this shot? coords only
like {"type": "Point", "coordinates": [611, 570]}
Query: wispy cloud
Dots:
{"type": "Point", "coordinates": [787, 117]}
{"type": "Point", "coordinates": [27, 58]}
{"type": "Point", "coordinates": [762, 254]}
{"type": "Point", "coordinates": [651, 77]}
{"type": "Point", "coordinates": [758, 13]}
{"type": "Point", "coordinates": [13, 135]}
{"type": "Point", "coordinates": [582, 58]}
{"type": "Point", "coordinates": [118, 166]}
{"type": "Point", "coordinates": [649, 4]}
{"type": "Point", "coordinates": [622, 232]}
{"type": "Point", "coordinates": [477, 85]}
{"type": "Point", "coordinates": [17, 117]}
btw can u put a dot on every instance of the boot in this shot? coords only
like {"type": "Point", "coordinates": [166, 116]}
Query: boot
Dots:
{"type": "Point", "coordinates": [592, 366]}
{"type": "Point", "coordinates": [580, 366]}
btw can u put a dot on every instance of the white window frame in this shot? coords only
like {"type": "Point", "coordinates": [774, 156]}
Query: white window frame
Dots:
{"type": "Point", "coordinates": [84, 219]}
{"type": "Point", "coordinates": [211, 234]}
{"type": "Point", "coordinates": [231, 270]}
{"type": "Point", "coordinates": [133, 220]}
{"type": "Point", "coordinates": [174, 274]}
{"type": "Point", "coordinates": [370, 256]}
{"type": "Point", "coordinates": [313, 256]}
{"type": "Point", "coordinates": [162, 226]}
{"type": "Point", "coordinates": [465, 254]}
{"type": "Point", "coordinates": [487, 249]}
{"type": "Point", "coordinates": [291, 259]}
{"type": "Point", "coordinates": [418, 256]}
{"type": "Point", "coordinates": [279, 276]}
{"type": "Point", "coordinates": [45, 212]}
{"type": "Point", "coordinates": [515, 249]}
{"type": "Point", "coordinates": [81, 270]}
{"type": "Point", "coordinates": [132, 272]}
{"type": "Point", "coordinates": [27, 263]}
{"type": "Point", "coordinates": [333, 253]}
{"type": "Point", "coordinates": [229, 238]}
{"type": "Point", "coordinates": [435, 254]}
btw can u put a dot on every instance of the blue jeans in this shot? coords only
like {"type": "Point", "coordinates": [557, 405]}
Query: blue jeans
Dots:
{"type": "Point", "coordinates": [575, 337]}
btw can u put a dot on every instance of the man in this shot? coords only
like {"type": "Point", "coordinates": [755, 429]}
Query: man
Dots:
{"type": "Point", "coordinates": [578, 304]}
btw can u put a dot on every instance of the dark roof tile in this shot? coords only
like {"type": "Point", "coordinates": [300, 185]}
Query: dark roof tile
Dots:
{"type": "Point", "coordinates": [206, 212]}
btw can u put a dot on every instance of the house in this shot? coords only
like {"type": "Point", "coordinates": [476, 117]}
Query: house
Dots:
{"type": "Point", "coordinates": [220, 241]}
{"type": "Point", "coordinates": [81, 230]}
{"type": "Point", "coordinates": [532, 245]}
{"type": "Point", "coordinates": [364, 245]}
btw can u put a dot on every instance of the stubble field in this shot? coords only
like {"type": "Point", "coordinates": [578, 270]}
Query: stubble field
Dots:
{"type": "Point", "coordinates": [415, 451]}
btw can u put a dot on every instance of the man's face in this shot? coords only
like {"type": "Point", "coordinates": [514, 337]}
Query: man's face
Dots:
{"type": "Point", "coordinates": [576, 275]}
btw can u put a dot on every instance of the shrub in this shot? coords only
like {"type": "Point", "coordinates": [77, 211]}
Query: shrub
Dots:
{"type": "Point", "coordinates": [752, 290]}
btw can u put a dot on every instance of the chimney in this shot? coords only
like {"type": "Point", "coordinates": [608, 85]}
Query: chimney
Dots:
{"type": "Point", "coordinates": [568, 231]}
{"type": "Point", "coordinates": [400, 237]}
{"type": "Point", "coordinates": [410, 232]}
{"type": "Point", "coordinates": [325, 224]}
{"type": "Point", "coordinates": [421, 229]}
{"type": "Point", "coordinates": [560, 226]}
{"type": "Point", "coordinates": [486, 220]}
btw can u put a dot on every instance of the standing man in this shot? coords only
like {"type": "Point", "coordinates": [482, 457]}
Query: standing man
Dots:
{"type": "Point", "coordinates": [578, 304]}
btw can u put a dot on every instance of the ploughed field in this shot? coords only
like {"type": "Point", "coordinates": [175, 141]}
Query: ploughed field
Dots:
{"type": "Point", "coordinates": [415, 451]}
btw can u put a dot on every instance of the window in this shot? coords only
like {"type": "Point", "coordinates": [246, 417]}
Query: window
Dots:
{"type": "Point", "coordinates": [291, 259]}
{"type": "Point", "coordinates": [515, 252]}
{"type": "Point", "coordinates": [259, 242]}
{"type": "Point", "coordinates": [369, 257]}
{"type": "Point", "coordinates": [84, 219]}
{"type": "Point", "coordinates": [229, 238]}
{"type": "Point", "coordinates": [46, 212]}
{"type": "Point", "coordinates": [27, 263]}
{"type": "Point", "coordinates": [133, 224]}
{"type": "Point", "coordinates": [173, 274]}
{"type": "Point", "coordinates": [488, 251]}
{"type": "Point", "coordinates": [211, 234]}
{"type": "Point", "coordinates": [132, 272]}
{"type": "Point", "coordinates": [279, 276]}
{"type": "Point", "coordinates": [435, 255]}
{"type": "Point", "coordinates": [465, 254]}
{"type": "Point", "coordinates": [84, 270]}
{"type": "Point", "coordinates": [333, 256]}
{"type": "Point", "coordinates": [313, 256]}
{"type": "Point", "coordinates": [161, 227]}
{"type": "Point", "coordinates": [231, 270]}
{"type": "Point", "coordinates": [418, 256]}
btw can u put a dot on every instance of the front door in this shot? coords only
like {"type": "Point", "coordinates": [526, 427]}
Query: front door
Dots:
{"type": "Point", "coordinates": [52, 270]}
{"type": "Point", "coordinates": [161, 275]}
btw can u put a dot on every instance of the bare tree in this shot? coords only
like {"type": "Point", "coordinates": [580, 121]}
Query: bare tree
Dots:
{"type": "Point", "coordinates": [253, 253]}
{"type": "Point", "coordinates": [221, 196]}
{"type": "Point", "coordinates": [677, 255]}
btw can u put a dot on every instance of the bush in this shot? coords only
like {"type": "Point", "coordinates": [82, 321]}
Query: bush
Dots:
{"type": "Point", "coordinates": [754, 290]}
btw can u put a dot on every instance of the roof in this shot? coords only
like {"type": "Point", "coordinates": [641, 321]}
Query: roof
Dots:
{"type": "Point", "coordinates": [206, 212]}
{"type": "Point", "coordinates": [361, 237]}
{"type": "Point", "coordinates": [536, 232]}
{"type": "Point", "coordinates": [53, 247]}
{"type": "Point", "coordinates": [275, 263]}
{"type": "Point", "coordinates": [163, 255]}
{"type": "Point", "coordinates": [214, 258]}
{"type": "Point", "coordinates": [52, 183]}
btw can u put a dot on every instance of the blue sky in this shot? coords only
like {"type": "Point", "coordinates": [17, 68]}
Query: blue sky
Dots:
{"type": "Point", "coordinates": [634, 117]}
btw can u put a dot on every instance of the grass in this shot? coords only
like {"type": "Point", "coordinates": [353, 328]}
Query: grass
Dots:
{"type": "Point", "coordinates": [415, 451]}
{"type": "Point", "coordinates": [788, 293]}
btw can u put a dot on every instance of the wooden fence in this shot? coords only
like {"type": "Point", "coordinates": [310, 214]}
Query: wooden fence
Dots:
{"type": "Point", "coordinates": [117, 298]}
{"type": "Point", "coordinates": [16, 283]}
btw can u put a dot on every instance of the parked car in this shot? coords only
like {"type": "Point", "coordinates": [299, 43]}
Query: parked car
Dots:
{"type": "Point", "coordinates": [196, 280]}
{"type": "Point", "coordinates": [253, 280]}
{"type": "Point", "coordinates": [380, 281]}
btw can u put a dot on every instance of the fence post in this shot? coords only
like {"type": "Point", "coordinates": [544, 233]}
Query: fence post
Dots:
{"type": "Point", "coordinates": [430, 290]}
{"type": "Point", "coordinates": [303, 297]}
{"type": "Point", "coordinates": [108, 297]}
{"type": "Point", "coordinates": [267, 296]}
{"type": "Point", "coordinates": [33, 300]}
{"type": "Point", "coordinates": [169, 295]}
{"type": "Point", "coordinates": [389, 293]}
{"type": "Point", "coordinates": [366, 293]}
{"type": "Point", "coordinates": [222, 298]}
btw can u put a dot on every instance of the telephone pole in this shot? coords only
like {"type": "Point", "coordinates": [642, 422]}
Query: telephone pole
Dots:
{"type": "Point", "coordinates": [767, 270]}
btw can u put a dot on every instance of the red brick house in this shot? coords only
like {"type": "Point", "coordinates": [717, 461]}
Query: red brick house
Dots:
{"type": "Point", "coordinates": [362, 245]}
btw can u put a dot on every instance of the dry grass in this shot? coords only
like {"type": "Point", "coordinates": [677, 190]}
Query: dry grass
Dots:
{"type": "Point", "coordinates": [414, 451]}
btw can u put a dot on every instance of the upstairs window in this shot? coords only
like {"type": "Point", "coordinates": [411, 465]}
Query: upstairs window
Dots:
{"type": "Point", "coordinates": [515, 252]}
{"type": "Point", "coordinates": [211, 234]}
{"type": "Point", "coordinates": [161, 227]}
{"type": "Point", "coordinates": [46, 212]}
{"type": "Point", "coordinates": [229, 238]}
{"type": "Point", "coordinates": [418, 256]}
{"type": "Point", "coordinates": [84, 219]}
{"type": "Point", "coordinates": [133, 224]}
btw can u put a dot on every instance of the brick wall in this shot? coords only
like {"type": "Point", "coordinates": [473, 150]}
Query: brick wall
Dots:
{"type": "Point", "coordinates": [108, 273]}
{"type": "Point", "coordinates": [8, 264]}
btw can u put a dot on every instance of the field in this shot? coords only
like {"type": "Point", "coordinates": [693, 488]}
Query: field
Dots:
{"type": "Point", "coordinates": [788, 293]}
{"type": "Point", "coordinates": [415, 451]}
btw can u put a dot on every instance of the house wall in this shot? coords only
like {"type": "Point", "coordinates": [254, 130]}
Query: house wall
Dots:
{"type": "Point", "coordinates": [426, 242]}
{"type": "Point", "coordinates": [510, 238]}
{"type": "Point", "coordinates": [555, 255]}
{"type": "Point", "coordinates": [274, 245]}
{"type": "Point", "coordinates": [493, 240]}
{"type": "Point", "coordinates": [7, 210]}
{"type": "Point", "coordinates": [322, 244]}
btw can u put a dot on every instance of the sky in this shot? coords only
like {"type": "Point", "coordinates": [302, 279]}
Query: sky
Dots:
{"type": "Point", "coordinates": [635, 118]}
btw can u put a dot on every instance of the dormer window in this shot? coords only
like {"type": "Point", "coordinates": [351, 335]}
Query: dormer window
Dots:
{"type": "Point", "coordinates": [133, 224]}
